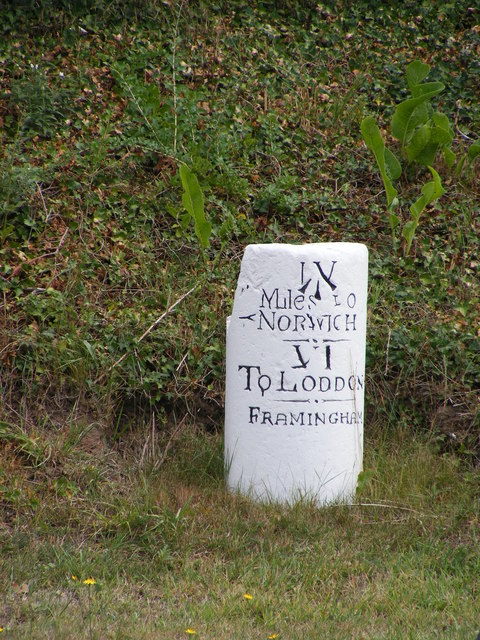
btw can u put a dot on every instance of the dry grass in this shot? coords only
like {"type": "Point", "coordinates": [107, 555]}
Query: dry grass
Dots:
{"type": "Point", "coordinates": [170, 549]}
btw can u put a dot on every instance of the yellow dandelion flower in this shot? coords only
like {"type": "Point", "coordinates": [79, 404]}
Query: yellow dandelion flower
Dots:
{"type": "Point", "coordinates": [1, 629]}
{"type": "Point", "coordinates": [74, 578]}
{"type": "Point", "coordinates": [191, 632]}
{"type": "Point", "coordinates": [247, 596]}
{"type": "Point", "coordinates": [90, 581]}
{"type": "Point", "coordinates": [273, 636]}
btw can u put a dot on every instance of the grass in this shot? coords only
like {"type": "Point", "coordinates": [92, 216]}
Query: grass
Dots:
{"type": "Point", "coordinates": [115, 471]}
{"type": "Point", "coordinates": [170, 549]}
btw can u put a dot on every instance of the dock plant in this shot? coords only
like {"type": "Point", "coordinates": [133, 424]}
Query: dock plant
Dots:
{"type": "Point", "coordinates": [423, 133]}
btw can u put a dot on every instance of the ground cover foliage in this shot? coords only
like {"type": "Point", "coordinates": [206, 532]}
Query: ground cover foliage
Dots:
{"type": "Point", "coordinates": [114, 471]}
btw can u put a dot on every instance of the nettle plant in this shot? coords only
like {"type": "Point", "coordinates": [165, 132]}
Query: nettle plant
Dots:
{"type": "Point", "coordinates": [423, 134]}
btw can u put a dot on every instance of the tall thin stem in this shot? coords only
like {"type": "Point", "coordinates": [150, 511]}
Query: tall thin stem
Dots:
{"type": "Point", "coordinates": [174, 78]}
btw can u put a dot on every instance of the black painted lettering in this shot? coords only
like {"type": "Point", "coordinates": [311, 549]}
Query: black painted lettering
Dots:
{"type": "Point", "coordinates": [271, 324]}
{"type": "Point", "coordinates": [351, 323]}
{"type": "Point", "coordinates": [352, 300]}
{"type": "Point", "coordinates": [303, 287]}
{"type": "Point", "coordinates": [327, 318]}
{"type": "Point", "coordinates": [284, 323]}
{"type": "Point", "coordinates": [267, 417]}
{"type": "Point", "coordinates": [308, 383]}
{"type": "Point", "coordinates": [328, 279]}
{"type": "Point", "coordinates": [328, 353]}
{"type": "Point", "coordinates": [264, 383]}
{"type": "Point", "coordinates": [298, 302]}
{"type": "Point", "coordinates": [282, 383]}
{"type": "Point", "coordinates": [299, 321]}
{"type": "Point", "coordinates": [280, 303]}
{"type": "Point", "coordinates": [267, 298]}
{"type": "Point", "coordinates": [297, 419]}
{"type": "Point", "coordinates": [254, 413]}
{"type": "Point", "coordinates": [303, 363]}
{"type": "Point", "coordinates": [325, 384]}
{"type": "Point", "coordinates": [248, 368]}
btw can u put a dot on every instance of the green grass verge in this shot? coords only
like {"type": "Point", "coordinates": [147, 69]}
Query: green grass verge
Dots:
{"type": "Point", "coordinates": [171, 550]}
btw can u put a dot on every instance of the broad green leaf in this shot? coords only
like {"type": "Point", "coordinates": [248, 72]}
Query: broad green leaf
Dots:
{"type": "Point", "coordinates": [430, 191]}
{"type": "Point", "coordinates": [228, 225]}
{"type": "Point", "coordinates": [371, 134]}
{"type": "Point", "coordinates": [419, 141]}
{"type": "Point", "coordinates": [437, 182]}
{"type": "Point", "coordinates": [442, 121]}
{"type": "Point", "coordinates": [460, 165]}
{"type": "Point", "coordinates": [403, 124]}
{"type": "Point", "coordinates": [392, 165]}
{"type": "Point", "coordinates": [449, 157]}
{"type": "Point", "coordinates": [408, 232]}
{"type": "Point", "coordinates": [427, 154]}
{"type": "Point", "coordinates": [374, 141]}
{"type": "Point", "coordinates": [192, 199]}
{"type": "Point", "coordinates": [426, 88]}
{"type": "Point", "coordinates": [416, 72]}
{"type": "Point", "coordinates": [185, 220]}
{"type": "Point", "coordinates": [89, 348]}
{"type": "Point", "coordinates": [474, 150]}
{"type": "Point", "coordinates": [412, 113]}
{"type": "Point", "coordinates": [394, 220]}
{"type": "Point", "coordinates": [440, 135]}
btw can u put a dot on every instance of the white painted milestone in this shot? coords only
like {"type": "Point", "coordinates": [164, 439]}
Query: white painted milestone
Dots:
{"type": "Point", "coordinates": [295, 379]}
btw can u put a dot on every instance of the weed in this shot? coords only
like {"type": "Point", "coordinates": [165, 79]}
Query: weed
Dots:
{"type": "Point", "coordinates": [192, 199]}
{"type": "Point", "coordinates": [24, 444]}
{"type": "Point", "coordinates": [116, 472]}
{"type": "Point", "coordinates": [423, 133]}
